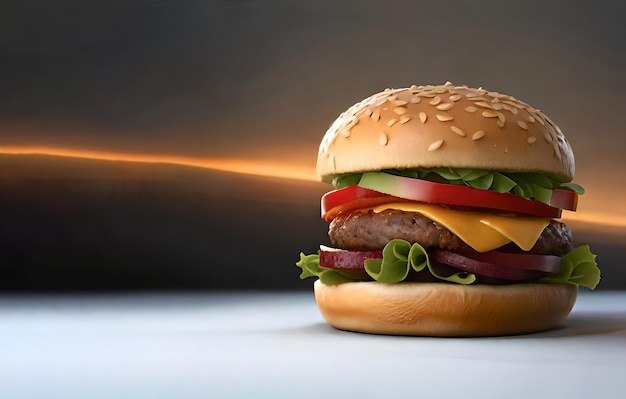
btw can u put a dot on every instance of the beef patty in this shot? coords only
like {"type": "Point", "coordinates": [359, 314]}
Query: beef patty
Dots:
{"type": "Point", "coordinates": [359, 231]}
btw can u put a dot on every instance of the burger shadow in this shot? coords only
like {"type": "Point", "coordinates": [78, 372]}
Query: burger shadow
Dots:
{"type": "Point", "coordinates": [580, 325]}
{"type": "Point", "coordinates": [319, 329]}
{"type": "Point", "coordinates": [584, 324]}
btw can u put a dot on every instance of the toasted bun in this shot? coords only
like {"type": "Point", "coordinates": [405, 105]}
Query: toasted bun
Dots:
{"type": "Point", "coordinates": [444, 126]}
{"type": "Point", "coordinates": [439, 309]}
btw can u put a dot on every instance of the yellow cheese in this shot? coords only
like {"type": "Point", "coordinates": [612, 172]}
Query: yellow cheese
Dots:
{"type": "Point", "coordinates": [480, 230]}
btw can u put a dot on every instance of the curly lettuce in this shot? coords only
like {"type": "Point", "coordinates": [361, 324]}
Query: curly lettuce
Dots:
{"type": "Point", "coordinates": [536, 186]}
{"type": "Point", "coordinates": [578, 267]}
{"type": "Point", "coordinates": [310, 265]}
{"type": "Point", "coordinates": [399, 257]}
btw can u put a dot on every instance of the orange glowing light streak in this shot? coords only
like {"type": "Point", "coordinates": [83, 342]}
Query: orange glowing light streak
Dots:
{"type": "Point", "coordinates": [258, 168]}
{"type": "Point", "coordinates": [596, 218]}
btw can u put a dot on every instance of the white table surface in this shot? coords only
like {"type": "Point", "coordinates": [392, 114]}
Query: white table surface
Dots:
{"type": "Point", "coordinates": [262, 345]}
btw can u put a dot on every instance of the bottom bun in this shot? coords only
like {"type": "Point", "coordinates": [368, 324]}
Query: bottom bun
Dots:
{"type": "Point", "coordinates": [447, 310]}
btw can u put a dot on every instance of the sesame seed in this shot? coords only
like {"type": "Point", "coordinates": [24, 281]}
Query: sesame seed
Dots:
{"type": "Point", "coordinates": [490, 114]}
{"type": "Point", "coordinates": [423, 117]}
{"type": "Point", "coordinates": [531, 139]}
{"type": "Point", "coordinates": [383, 139]}
{"type": "Point", "coordinates": [484, 104]}
{"type": "Point", "coordinates": [479, 98]}
{"type": "Point", "coordinates": [436, 100]}
{"type": "Point", "coordinates": [448, 83]}
{"type": "Point", "coordinates": [501, 118]}
{"type": "Point", "coordinates": [365, 101]}
{"type": "Point", "coordinates": [531, 118]}
{"type": "Point", "coordinates": [367, 111]}
{"type": "Point", "coordinates": [549, 121]}
{"type": "Point", "coordinates": [455, 97]}
{"type": "Point", "coordinates": [444, 116]}
{"type": "Point", "coordinates": [497, 106]}
{"type": "Point", "coordinates": [516, 104]}
{"type": "Point", "coordinates": [345, 133]}
{"type": "Point", "coordinates": [380, 101]}
{"type": "Point", "coordinates": [478, 135]}
{"type": "Point", "coordinates": [540, 120]}
{"type": "Point", "coordinates": [457, 131]}
{"type": "Point", "coordinates": [413, 87]}
{"type": "Point", "coordinates": [445, 106]}
{"type": "Point", "coordinates": [522, 124]}
{"type": "Point", "coordinates": [404, 119]}
{"type": "Point", "coordinates": [392, 97]}
{"type": "Point", "coordinates": [416, 100]}
{"type": "Point", "coordinates": [400, 103]}
{"type": "Point", "coordinates": [392, 122]}
{"type": "Point", "coordinates": [375, 115]}
{"type": "Point", "coordinates": [547, 136]}
{"type": "Point", "coordinates": [471, 109]}
{"type": "Point", "coordinates": [399, 110]}
{"type": "Point", "coordinates": [500, 123]}
{"type": "Point", "coordinates": [514, 111]}
{"type": "Point", "coordinates": [435, 145]}
{"type": "Point", "coordinates": [353, 121]}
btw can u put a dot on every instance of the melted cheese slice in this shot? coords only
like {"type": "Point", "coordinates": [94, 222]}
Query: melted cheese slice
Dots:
{"type": "Point", "coordinates": [480, 230]}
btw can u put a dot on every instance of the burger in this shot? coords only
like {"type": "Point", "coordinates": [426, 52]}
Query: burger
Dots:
{"type": "Point", "coordinates": [444, 217]}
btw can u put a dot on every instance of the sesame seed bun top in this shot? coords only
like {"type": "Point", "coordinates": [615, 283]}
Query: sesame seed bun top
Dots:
{"type": "Point", "coordinates": [444, 126]}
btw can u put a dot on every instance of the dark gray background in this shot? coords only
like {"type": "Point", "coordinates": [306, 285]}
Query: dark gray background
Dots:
{"type": "Point", "coordinates": [260, 80]}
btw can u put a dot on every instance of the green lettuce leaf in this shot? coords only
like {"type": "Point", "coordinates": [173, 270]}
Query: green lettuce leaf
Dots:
{"type": "Point", "coordinates": [310, 265]}
{"type": "Point", "coordinates": [399, 257]}
{"type": "Point", "coordinates": [527, 185]}
{"type": "Point", "coordinates": [578, 189]}
{"type": "Point", "coordinates": [394, 266]}
{"type": "Point", "coordinates": [348, 179]}
{"type": "Point", "coordinates": [577, 267]}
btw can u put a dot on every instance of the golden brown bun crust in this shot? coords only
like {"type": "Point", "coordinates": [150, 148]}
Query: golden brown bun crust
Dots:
{"type": "Point", "coordinates": [448, 310]}
{"type": "Point", "coordinates": [445, 125]}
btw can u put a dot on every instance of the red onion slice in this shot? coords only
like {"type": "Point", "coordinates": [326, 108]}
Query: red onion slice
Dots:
{"type": "Point", "coordinates": [334, 258]}
{"type": "Point", "coordinates": [513, 267]}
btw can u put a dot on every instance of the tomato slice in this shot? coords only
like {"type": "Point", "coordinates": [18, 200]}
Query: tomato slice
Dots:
{"type": "Point", "coordinates": [351, 198]}
{"type": "Point", "coordinates": [451, 194]}
{"type": "Point", "coordinates": [389, 188]}
{"type": "Point", "coordinates": [564, 199]}
{"type": "Point", "coordinates": [348, 194]}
